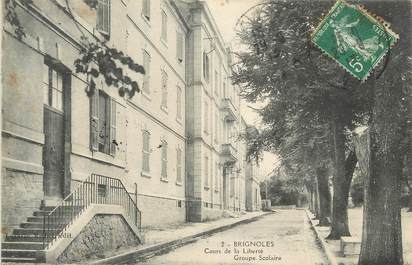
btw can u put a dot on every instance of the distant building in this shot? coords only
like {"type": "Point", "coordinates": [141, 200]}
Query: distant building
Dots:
{"type": "Point", "coordinates": [253, 173]}
{"type": "Point", "coordinates": [212, 119]}
{"type": "Point", "coordinates": [253, 198]}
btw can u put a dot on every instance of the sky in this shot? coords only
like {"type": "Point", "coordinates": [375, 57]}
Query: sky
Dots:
{"type": "Point", "coordinates": [226, 14]}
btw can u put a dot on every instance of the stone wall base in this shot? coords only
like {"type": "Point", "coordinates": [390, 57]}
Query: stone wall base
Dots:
{"type": "Point", "coordinates": [21, 194]}
{"type": "Point", "coordinates": [198, 212]}
{"type": "Point", "coordinates": [105, 235]}
{"type": "Point", "coordinates": [160, 211]}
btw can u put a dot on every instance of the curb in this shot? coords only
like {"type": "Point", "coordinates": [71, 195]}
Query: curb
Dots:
{"type": "Point", "coordinates": [161, 247]}
{"type": "Point", "coordinates": [329, 255]}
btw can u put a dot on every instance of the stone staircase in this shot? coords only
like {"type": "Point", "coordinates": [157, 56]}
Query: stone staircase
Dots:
{"type": "Point", "coordinates": [31, 243]}
{"type": "Point", "coordinates": [27, 241]}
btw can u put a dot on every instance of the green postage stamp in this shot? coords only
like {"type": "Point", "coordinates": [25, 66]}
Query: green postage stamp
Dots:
{"type": "Point", "coordinates": [354, 38]}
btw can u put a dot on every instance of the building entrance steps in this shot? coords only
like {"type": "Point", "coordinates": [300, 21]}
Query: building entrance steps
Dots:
{"type": "Point", "coordinates": [26, 242]}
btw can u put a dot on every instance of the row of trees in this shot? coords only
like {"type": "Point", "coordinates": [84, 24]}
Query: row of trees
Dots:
{"type": "Point", "coordinates": [311, 107]}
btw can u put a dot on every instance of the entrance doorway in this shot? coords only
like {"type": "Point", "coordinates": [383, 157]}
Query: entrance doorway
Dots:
{"type": "Point", "coordinates": [54, 128]}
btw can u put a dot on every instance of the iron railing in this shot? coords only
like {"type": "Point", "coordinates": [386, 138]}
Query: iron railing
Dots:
{"type": "Point", "coordinates": [96, 189]}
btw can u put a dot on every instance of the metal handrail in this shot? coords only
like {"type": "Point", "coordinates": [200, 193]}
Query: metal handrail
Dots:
{"type": "Point", "coordinates": [96, 189]}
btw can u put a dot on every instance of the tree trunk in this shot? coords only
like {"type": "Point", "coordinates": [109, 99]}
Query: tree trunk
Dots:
{"type": "Point", "coordinates": [382, 234]}
{"type": "Point", "coordinates": [311, 202]}
{"type": "Point", "coordinates": [340, 226]}
{"type": "Point", "coordinates": [315, 195]}
{"type": "Point", "coordinates": [341, 183]}
{"type": "Point", "coordinates": [324, 196]}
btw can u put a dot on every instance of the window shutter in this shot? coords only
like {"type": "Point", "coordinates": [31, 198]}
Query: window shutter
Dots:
{"type": "Point", "coordinates": [146, 9]}
{"type": "Point", "coordinates": [179, 46]}
{"type": "Point", "coordinates": [179, 103]}
{"type": "Point", "coordinates": [179, 166]}
{"type": "Point", "coordinates": [94, 121]}
{"type": "Point", "coordinates": [164, 159]}
{"type": "Point", "coordinates": [103, 16]}
{"type": "Point", "coordinates": [146, 66]}
{"type": "Point", "coordinates": [164, 89]}
{"type": "Point", "coordinates": [164, 26]}
{"type": "Point", "coordinates": [113, 143]}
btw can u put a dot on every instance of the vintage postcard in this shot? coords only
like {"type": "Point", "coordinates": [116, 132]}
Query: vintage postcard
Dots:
{"type": "Point", "coordinates": [206, 132]}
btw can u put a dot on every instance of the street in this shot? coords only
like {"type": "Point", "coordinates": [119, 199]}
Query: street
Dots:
{"type": "Point", "coordinates": [284, 237]}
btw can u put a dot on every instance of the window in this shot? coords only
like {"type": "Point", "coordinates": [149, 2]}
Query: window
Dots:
{"type": "Point", "coordinates": [146, 9]}
{"type": "Point", "coordinates": [103, 16]}
{"type": "Point", "coordinates": [146, 152]}
{"type": "Point", "coordinates": [256, 196]}
{"type": "Point", "coordinates": [232, 187]}
{"type": "Point", "coordinates": [179, 46]}
{"type": "Point", "coordinates": [179, 103]}
{"type": "Point", "coordinates": [164, 160]}
{"type": "Point", "coordinates": [206, 172]}
{"type": "Point", "coordinates": [216, 126]}
{"type": "Point", "coordinates": [164, 90]}
{"type": "Point", "coordinates": [52, 88]}
{"type": "Point", "coordinates": [146, 66]}
{"type": "Point", "coordinates": [179, 165]}
{"type": "Point", "coordinates": [206, 117]}
{"type": "Point", "coordinates": [164, 26]}
{"type": "Point", "coordinates": [206, 66]}
{"type": "Point", "coordinates": [216, 82]}
{"type": "Point", "coordinates": [103, 123]}
{"type": "Point", "coordinates": [217, 177]}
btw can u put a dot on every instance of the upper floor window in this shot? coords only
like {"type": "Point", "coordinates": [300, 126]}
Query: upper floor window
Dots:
{"type": "Point", "coordinates": [206, 180]}
{"type": "Point", "coordinates": [146, 65]}
{"type": "Point", "coordinates": [206, 66]}
{"type": "Point", "coordinates": [164, 25]}
{"type": "Point", "coordinates": [179, 103]}
{"type": "Point", "coordinates": [206, 117]}
{"type": "Point", "coordinates": [216, 127]}
{"type": "Point", "coordinates": [179, 46]}
{"type": "Point", "coordinates": [217, 178]}
{"type": "Point", "coordinates": [103, 16]}
{"type": "Point", "coordinates": [164, 160]}
{"type": "Point", "coordinates": [146, 9]}
{"type": "Point", "coordinates": [103, 123]}
{"type": "Point", "coordinates": [232, 187]}
{"type": "Point", "coordinates": [179, 165]}
{"type": "Point", "coordinates": [52, 88]}
{"type": "Point", "coordinates": [164, 90]}
{"type": "Point", "coordinates": [146, 151]}
{"type": "Point", "coordinates": [216, 82]}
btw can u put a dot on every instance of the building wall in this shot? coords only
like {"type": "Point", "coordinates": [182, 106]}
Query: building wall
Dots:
{"type": "Point", "coordinates": [206, 125]}
{"type": "Point", "coordinates": [253, 198]}
{"type": "Point", "coordinates": [50, 30]}
{"type": "Point", "coordinates": [158, 197]}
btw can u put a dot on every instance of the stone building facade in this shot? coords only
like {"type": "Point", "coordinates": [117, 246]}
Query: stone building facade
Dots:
{"type": "Point", "coordinates": [213, 121]}
{"type": "Point", "coordinates": [174, 145]}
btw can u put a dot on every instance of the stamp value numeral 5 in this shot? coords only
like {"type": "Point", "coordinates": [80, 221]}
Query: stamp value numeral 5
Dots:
{"type": "Point", "coordinates": [356, 65]}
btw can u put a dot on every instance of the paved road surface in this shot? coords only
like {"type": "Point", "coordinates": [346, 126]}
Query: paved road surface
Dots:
{"type": "Point", "coordinates": [281, 238]}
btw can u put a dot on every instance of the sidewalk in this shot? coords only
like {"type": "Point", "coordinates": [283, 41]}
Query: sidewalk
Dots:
{"type": "Point", "coordinates": [332, 247]}
{"type": "Point", "coordinates": [161, 239]}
